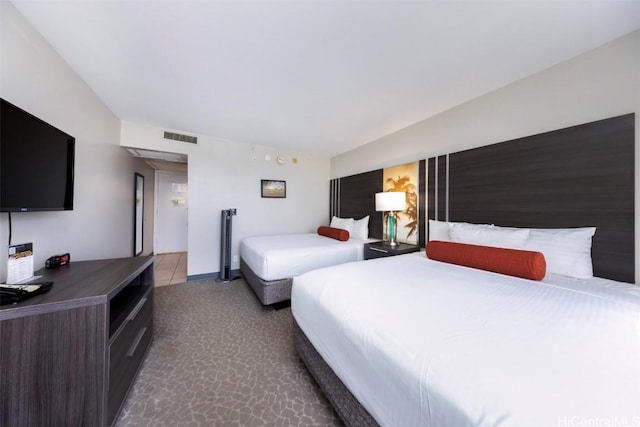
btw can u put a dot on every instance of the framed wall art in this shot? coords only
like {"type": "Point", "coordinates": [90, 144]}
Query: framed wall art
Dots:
{"type": "Point", "coordinates": [273, 189]}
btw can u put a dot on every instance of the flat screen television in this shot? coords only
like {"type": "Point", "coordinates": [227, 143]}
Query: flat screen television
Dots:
{"type": "Point", "coordinates": [36, 163]}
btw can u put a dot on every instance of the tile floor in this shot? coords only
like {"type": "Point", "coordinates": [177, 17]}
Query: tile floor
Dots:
{"type": "Point", "coordinates": [170, 268]}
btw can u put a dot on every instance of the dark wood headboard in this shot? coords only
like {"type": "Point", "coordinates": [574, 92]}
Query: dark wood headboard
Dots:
{"type": "Point", "coordinates": [354, 197]}
{"type": "Point", "coordinates": [575, 177]}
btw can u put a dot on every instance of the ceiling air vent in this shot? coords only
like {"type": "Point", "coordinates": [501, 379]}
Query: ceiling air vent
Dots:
{"type": "Point", "coordinates": [180, 137]}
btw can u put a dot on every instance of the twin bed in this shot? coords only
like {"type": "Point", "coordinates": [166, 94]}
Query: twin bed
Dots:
{"type": "Point", "coordinates": [269, 263]}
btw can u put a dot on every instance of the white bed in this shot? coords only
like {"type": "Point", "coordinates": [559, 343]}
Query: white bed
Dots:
{"type": "Point", "coordinates": [420, 342]}
{"type": "Point", "coordinates": [281, 256]}
{"type": "Point", "coordinates": [269, 263]}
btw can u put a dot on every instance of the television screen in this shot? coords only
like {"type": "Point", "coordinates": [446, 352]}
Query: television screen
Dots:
{"type": "Point", "coordinates": [36, 163]}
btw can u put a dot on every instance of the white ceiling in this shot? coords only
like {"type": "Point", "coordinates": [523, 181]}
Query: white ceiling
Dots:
{"type": "Point", "coordinates": [317, 76]}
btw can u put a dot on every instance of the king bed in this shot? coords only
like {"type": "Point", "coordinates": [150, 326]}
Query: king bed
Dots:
{"type": "Point", "coordinates": [546, 333]}
{"type": "Point", "coordinates": [434, 344]}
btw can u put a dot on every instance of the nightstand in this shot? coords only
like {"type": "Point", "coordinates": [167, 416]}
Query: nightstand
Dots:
{"type": "Point", "coordinates": [382, 249]}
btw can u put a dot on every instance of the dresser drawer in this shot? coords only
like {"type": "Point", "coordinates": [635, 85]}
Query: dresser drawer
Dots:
{"type": "Point", "coordinates": [127, 351]}
{"type": "Point", "coordinates": [375, 252]}
{"type": "Point", "coordinates": [381, 249]}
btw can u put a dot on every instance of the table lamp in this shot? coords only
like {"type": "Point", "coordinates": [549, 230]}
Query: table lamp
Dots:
{"type": "Point", "coordinates": [392, 202]}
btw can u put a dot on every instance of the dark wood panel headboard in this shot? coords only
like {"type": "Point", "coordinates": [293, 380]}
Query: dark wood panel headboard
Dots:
{"type": "Point", "coordinates": [354, 197]}
{"type": "Point", "coordinates": [574, 177]}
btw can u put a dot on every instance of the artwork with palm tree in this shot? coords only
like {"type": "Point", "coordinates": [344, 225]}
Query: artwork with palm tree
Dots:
{"type": "Point", "coordinates": [404, 178]}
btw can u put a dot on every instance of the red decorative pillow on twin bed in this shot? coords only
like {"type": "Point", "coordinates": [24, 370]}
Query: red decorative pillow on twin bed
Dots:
{"type": "Point", "coordinates": [513, 262]}
{"type": "Point", "coordinates": [334, 233]}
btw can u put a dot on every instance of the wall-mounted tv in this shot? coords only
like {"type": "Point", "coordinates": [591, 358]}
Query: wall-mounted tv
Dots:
{"type": "Point", "coordinates": [36, 163]}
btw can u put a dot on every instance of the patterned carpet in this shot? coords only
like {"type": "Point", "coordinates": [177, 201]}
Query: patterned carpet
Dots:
{"type": "Point", "coordinates": [220, 359]}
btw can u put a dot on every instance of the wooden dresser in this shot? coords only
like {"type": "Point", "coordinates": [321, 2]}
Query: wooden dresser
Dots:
{"type": "Point", "coordinates": [70, 356]}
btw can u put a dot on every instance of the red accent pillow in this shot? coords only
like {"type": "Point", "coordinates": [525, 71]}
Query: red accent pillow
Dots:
{"type": "Point", "coordinates": [335, 233]}
{"type": "Point", "coordinates": [513, 262]}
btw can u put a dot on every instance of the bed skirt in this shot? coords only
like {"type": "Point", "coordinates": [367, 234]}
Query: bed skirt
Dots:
{"type": "Point", "coordinates": [268, 292]}
{"type": "Point", "coordinates": [346, 405]}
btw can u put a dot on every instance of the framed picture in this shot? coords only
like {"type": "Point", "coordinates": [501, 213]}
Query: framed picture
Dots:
{"type": "Point", "coordinates": [272, 188]}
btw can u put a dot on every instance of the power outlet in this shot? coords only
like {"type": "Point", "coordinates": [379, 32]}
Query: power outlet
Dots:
{"type": "Point", "coordinates": [235, 258]}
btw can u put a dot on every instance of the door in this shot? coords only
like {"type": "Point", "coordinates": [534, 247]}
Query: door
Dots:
{"type": "Point", "coordinates": [171, 222]}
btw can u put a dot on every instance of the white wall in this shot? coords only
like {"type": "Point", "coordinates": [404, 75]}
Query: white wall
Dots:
{"type": "Point", "coordinates": [225, 174]}
{"type": "Point", "coordinates": [602, 83]}
{"type": "Point", "coordinates": [35, 78]}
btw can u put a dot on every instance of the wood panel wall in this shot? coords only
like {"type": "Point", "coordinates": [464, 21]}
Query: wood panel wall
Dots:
{"type": "Point", "coordinates": [575, 177]}
{"type": "Point", "coordinates": [422, 202]}
{"type": "Point", "coordinates": [354, 197]}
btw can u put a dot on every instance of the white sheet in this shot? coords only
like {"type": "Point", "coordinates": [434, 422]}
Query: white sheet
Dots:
{"type": "Point", "coordinates": [284, 256]}
{"type": "Point", "coordinates": [421, 343]}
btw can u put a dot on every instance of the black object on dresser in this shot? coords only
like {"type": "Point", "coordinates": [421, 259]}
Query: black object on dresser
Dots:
{"type": "Point", "coordinates": [69, 357]}
{"type": "Point", "coordinates": [383, 249]}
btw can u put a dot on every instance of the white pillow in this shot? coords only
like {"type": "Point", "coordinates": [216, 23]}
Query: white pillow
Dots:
{"type": "Point", "coordinates": [360, 228]}
{"type": "Point", "coordinates": [567, 251]}
{"type": "Point", "coordinates": [344, 223]}
{"type": "Point", "coordinates": [488, 235]}
{"type": "Point", "coordinates": [439, 230]}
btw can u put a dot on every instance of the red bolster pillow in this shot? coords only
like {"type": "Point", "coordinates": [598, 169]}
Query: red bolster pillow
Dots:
{"type": "Point", "coordinates": [513, 262]}
{"type": "Point", "coordinates": [335, 233]}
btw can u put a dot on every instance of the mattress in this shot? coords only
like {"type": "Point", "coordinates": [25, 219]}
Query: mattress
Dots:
{"type": "Point", "coordinates": [419, 342]}
{"type": "Point", "coordinates": [282, 256]}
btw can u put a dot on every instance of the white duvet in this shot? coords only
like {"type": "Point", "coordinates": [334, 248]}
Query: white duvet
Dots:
{"type": "Point", "coordinates": [423, 343]}
{"type": "Point", "coordinates": [283, 256]}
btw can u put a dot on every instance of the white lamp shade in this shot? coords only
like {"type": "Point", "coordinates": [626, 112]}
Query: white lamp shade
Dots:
{"type": "Point", "coordinates": [391, 201]}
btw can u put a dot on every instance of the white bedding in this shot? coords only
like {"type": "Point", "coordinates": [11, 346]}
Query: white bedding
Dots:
{"type": "Point", "coordinates": [284, 256]}
{"type": "Point", "coordinates": [423, 343]}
